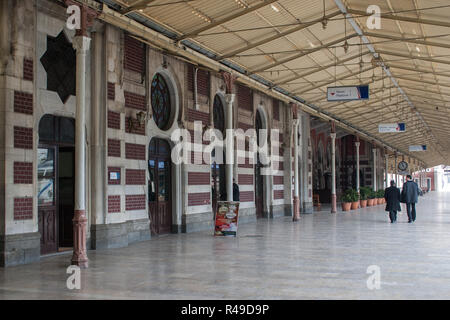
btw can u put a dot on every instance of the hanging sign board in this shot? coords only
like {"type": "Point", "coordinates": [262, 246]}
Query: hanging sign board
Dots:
{"type": "Point", "coordinates": [348, 93]}
{"type": "Point", "coordinates": [417, 148]}
{"type": "Point", "coordinates": [227, 216]}
{"type": "Point", "coordinates": [391, 127]}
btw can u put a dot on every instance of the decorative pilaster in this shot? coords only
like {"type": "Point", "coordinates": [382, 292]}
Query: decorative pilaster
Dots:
{"type": "Point", "coordinates": [357, 144]}
{"type": "Point", "coordinates": [333, 171]}
{"type": "Point", "coordinates": [81, 44]}
{"type": "Point", "coordinates": [374, 150]}
{"type": "Point", "coordinates": [296, 216]}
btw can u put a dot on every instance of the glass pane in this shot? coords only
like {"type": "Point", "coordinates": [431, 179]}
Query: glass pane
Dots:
{"type": "Point", "coordinates": [46, 191]}
{"type": "Point", "coordinates": [47, 128]}
{"type": "Point", "coordinates": [67, 130]}
{"type": "Point", "coordinates": [163, 179]}
{"type": "Point", "coordinates": [46, 172]}
{"type": "Point", "coordinates": [151, 181]}
{"type": "Point", "coordinates": [46, 160]}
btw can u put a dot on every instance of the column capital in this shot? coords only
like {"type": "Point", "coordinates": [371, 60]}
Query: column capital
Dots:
{"type": "Point", "coordinates": [81, 44]}
{"type": "Point", "coordinates": [229, 80]}
{"type": "Point", "coordinates": [229, 97]}
{"type": "Point", "coordinates": [333, 135]}
{"type": "Point", "coordinates": [357, 144]}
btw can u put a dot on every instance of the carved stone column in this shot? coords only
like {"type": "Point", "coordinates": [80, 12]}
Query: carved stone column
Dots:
{"type": "Point", "coordinates": [357, 144]}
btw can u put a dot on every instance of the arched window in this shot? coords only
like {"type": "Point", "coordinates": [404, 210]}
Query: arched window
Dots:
{"type": "Point", "coordinates": [161, 104]}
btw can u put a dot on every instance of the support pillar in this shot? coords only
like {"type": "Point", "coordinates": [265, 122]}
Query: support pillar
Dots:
{"type": "Point", "coordinates": [357, 144]}
{"type": "Point", "coordinates": [374, 150]}
{"type": "Point", "coordinates": [333, 169]}
{"type": "Point", "coordinates": [386, 168]}
{"type": "Point", "coordinates": [229, 80]}
{"type": "Point", "coordinates": [81, 44]}
{"type": "Point", "coordinates": [296, 216]}
{"type": "Point", "coordinates": [395, 170]}
{"type": "Point", "coordinates": [229, 166]}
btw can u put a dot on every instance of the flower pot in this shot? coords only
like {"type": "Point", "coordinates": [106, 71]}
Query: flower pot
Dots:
{"type": "Point", "coordinates": [355, 205]}
{"type": "Point", "coordinates": [346, 206]}
{"type": "Point", "coordinates": [370, 202]}
{"type": "Point", "coordinates": [380, 200]}
{"type": "Point", "coordinates": [363, 203]}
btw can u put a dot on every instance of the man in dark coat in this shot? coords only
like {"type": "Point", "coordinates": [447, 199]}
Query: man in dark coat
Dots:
{"type": "Point", "coordinates": [410, 195]}
{"type": "Point", "coordinates": [236, 195]}
{"type": "Point", "coordinates": [392, 197]}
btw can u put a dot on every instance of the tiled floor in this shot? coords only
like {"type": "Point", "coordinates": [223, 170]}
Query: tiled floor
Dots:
{"type": "Point", "coordinates": [323, 256]}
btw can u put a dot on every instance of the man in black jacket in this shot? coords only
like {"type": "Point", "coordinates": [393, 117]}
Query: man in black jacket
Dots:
{"type": "Point", "coordinates": [236, 195]}
{"type": "Point", "coordinates": [392, 197]}
{"type": "Point", "coordinates": [410, 195]}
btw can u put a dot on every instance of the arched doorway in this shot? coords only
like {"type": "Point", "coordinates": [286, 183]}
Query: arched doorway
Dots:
{"type": "Point", "coordinates": [56, 182]}
{"type": "Point", "coordinates": [159, 187]}
{"type": "Point", "coordinates": [259, 180]}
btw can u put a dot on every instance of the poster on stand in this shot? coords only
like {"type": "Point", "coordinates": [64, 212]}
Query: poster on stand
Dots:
{"type": "Point", "coordinates": [227, 217]}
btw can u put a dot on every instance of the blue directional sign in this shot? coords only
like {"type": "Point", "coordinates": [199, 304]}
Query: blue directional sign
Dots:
{"type": "Point", "coordinates": [418, 148]}
{"type": "Point", "coordinates": [391, 127]}
{"type": "Point", "coordinates": [348, 93]}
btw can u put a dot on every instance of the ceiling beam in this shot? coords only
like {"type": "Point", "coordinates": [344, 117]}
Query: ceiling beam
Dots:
{"type": "Point", "coordinates": [417, 70]}
{"type": "Point", "coordinates": [402, 18]}
{"type": "Point", "coordinates": [302, 54]}
{"type": "Point", "coordinates": [216, 23]}
{"type": "Point", "coordinates": [276, 37]}
{"type": "Point", "coordinates": [141, 4]}
{"type": "Point", "coordinates": [405, 55]}
{"type": "Point", "coordinates": [421, 42]}
{"type": "Point", "coordinates": [338, 62]}
{"type": "Point", "coordinates": [424, 81]}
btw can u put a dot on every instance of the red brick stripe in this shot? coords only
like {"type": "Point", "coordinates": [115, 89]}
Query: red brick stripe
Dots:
{"type": "Point", "coordinates": [113, 204]}
{"type": "Point", "coordinates": [23, 208]}
{"type": "Point", "coordinates": [23, 172]}
{"type": "Point", "coordinates": [278, 179]}
{"type": "Point", "coordinates": [134, 151]}
{"type": "Point", "coordinates": [278, 194]}
{"type": "Point", "coordinates": [134, 55]}
{"type": "Point", "coordinates": [28, 69]}
{"type": "Point", "coordinates": [23, 102]}
{"type": "Point", "coordinates": [135, 202]}
{"type": "Point", "coordinates": [135, 101]}
{"type": "Point", "coordinates": [113, 148]}
{"type": "Point", "coordinates": [23, 137]}
{"type": "Point", "coordinates": [195, 115]}
{"type": "Point", "coordinates": [198, 178]}
{"type": "Point", "coordinates": [111, 91]}
{"type": "Point", "coordinates": [135, 177]}
{"type": "Point", "coordinates": [245, 179]}
{"type": "Point", "coordinates": [113, 120]}
{"type": "Point", "coordinates": [246, 196]}
{"type": "Point", "coordinates": [199, 199]}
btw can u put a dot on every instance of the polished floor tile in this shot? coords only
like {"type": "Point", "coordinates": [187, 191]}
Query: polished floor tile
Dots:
{"type": "Point", "coordinates": [323, 256]}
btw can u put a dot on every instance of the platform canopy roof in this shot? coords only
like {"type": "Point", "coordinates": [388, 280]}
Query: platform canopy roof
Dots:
{"type": "Point", "coordinates": [301, 47]}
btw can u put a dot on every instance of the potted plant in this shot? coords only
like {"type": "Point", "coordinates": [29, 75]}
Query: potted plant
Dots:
{"type": "Point", "coordinates": [380, 194]}
{"type": "Point", "coordinates": [355, 198]}
{"type": "Point", "coordinates": [371, 198]}
{"type": "Point", "coordinates": [363, 193]}
{"type": "Point", "coordinates": [346, 201]}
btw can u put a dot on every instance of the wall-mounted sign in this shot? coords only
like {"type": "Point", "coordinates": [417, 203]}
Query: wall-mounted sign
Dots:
{"type": "Point", "coordinates": [348, 93]}
{"type": "Point", "coordinates": [402, 165]}
{"type": "Point", "coordinates": [391, 127]}
{"type": "Point", "coordinates": [114, 175]}
{"type": "Point", "coordinates": [418, 148]}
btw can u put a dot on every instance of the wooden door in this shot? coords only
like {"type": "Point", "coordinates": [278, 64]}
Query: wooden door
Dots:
{"type": "Point", "coordinates": [160, 187]}
{"type": "Point", "coordinates": [47, 200]}
{"type": "Point", "coordinates": [66, 195]}
{"type": "Point", "coordinates": [259, 191]}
